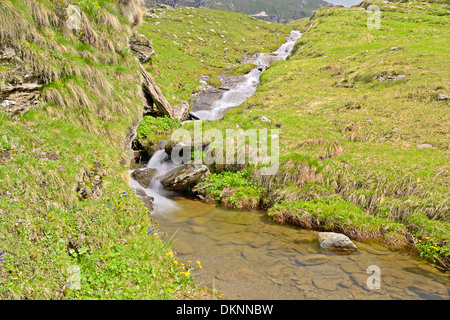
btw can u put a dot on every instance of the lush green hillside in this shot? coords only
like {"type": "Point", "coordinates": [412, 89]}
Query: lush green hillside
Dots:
{"type": "Point", "coordinates": [275, 11]}
{"type": "Point", "coordinates": [65, 202]}
{"type": "Point", "coordinates": [364, 126]}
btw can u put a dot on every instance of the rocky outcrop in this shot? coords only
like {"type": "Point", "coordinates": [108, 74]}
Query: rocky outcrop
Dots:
{"type": "Point", "coordinates": [155, 98]}
{"type": "Point", "coordinates": [185, 177]}
{"type": "Point", "coordinates": [142, 47]}
{"type": "Point", "coordinates": [336, 241]}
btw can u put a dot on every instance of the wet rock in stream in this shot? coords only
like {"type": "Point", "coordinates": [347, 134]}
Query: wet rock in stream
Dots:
{"type": "Point", "coordinates": [184, 177]}
{"type": "Point", "coordinates": [144, 176]}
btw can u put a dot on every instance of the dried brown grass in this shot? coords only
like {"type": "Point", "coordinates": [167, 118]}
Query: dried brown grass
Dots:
{"type": "Point", "coordinates": [42, 15]}
{"type": "Point", "coordinates": [131, 9]}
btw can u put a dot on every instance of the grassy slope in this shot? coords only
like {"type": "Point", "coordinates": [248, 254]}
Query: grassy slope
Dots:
{"type": "Point", "coordinates": [329, 98]}
{"type": "Point", "coordinates": [91, 99]}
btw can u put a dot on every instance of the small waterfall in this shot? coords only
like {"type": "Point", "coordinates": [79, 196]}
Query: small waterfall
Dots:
{"type": "Point", "coordinates": [162, 203]}
{"type": "Point", "coordinates": [250, 82]}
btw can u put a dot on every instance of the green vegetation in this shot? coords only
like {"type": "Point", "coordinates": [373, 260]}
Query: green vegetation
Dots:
{"type": "Point", "coordinates": [53, 218]}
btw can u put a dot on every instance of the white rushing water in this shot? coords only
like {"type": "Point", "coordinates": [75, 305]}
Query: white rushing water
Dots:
{"type": "Point", "coordinates": [247, 87]}
{"type": "Point", "coordinates": [162, 203]}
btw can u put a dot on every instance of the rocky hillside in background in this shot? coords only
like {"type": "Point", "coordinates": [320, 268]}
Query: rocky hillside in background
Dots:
{"type": "Point", "coordinates": [280, 11]}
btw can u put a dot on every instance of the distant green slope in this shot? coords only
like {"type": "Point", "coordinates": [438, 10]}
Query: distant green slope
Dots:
{"type": "Point", "coordinates": [277, 11]}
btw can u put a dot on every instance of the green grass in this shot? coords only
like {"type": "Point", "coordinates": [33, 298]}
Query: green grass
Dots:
{"type": "Point", "coordinates": [151, 130]}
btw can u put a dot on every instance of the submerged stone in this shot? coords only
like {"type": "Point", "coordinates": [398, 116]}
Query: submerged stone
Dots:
{"type": "Point", "coordinates": [336, 241]}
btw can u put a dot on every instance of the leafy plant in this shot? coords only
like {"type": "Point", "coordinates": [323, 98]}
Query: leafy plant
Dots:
{"type": "Point", "coordinates": [151, 126]}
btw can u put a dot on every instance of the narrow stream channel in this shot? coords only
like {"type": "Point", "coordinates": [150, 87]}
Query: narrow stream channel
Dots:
{"type": "Point", "coordinates": [246, 256]}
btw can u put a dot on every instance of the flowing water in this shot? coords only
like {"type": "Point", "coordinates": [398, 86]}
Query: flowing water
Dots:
{"type": "Point", "coordinates": [250, 82]}
{"type": "Point", "coordinates": [245, 255]}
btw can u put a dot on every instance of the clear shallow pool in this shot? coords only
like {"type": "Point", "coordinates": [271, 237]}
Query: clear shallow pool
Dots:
{"type": "Point", "coordinates": [247, 256]}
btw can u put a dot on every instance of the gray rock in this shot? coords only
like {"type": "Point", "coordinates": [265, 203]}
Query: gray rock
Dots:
{"type": "Point", "coordinates": [142, 47]}
{"type": "Point", "coordinates": [336, 241]}
{"type": "Point", "coordinates": [184, 177]}
{"type": "Point", "coordinates": [443, 96]}
{"type": "Point", "coordinates": [424, 146]}
{"type": "Point", "coordinates": [395, 48]}
{"type": "Point", "coordinates": [144, 177]}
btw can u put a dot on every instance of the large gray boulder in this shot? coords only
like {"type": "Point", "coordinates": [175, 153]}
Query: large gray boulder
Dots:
{"type": "Point", "coordinates": [184, 177]}
{"type": "Point", "coordinates": [336, 241]}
